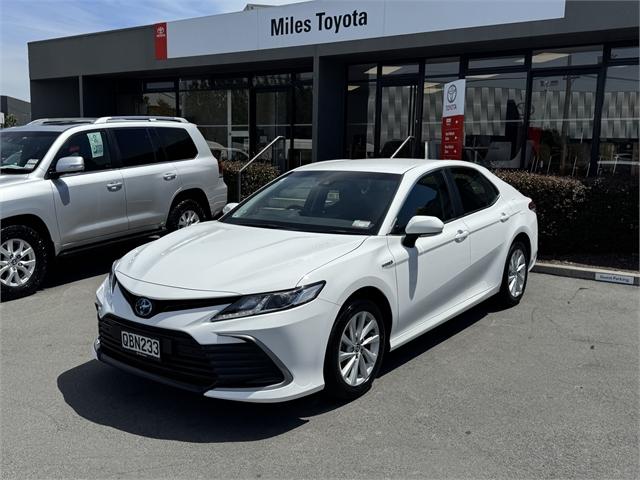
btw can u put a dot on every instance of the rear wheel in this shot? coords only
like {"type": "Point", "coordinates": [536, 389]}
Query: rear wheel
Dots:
{"type": "Point", "coordinates": [23, 261]}
{"type": "Point", "coordinates": [185, 213]}
{"type": "Point", "coordinates": [514, 278]}
{"type": "Point", "coordinates": [355, 350]}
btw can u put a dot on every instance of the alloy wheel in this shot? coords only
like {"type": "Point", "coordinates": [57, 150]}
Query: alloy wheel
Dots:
{"type": "Point", "coordinates": [17, 262]}
{"type": "Point", "coordinates": [189, 217]}
{"type": "Point", "coordinates": [359, 348]}
{"type": "Point", "coordinates": [517, 273]}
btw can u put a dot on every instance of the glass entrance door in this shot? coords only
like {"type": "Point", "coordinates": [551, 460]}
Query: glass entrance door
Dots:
{"type": "Point", "coordinates": [273, 118]}
{"type": "Point", "coordinates": [397, 119]}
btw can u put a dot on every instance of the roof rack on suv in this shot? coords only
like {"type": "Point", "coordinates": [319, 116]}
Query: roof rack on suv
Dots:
{"type": "Point", "coordinates": [61, 121]}
{"type": "Point", "coordinates": [140, 118]}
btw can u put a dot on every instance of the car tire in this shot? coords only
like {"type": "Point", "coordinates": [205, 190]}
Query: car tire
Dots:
{"type": "Point", "coordinates": [184, 213]}
{"type": "Point", "coordinates": [340, 381]}
{"type": "Point", "coordinates": [24, 260]}
{"type": "Point", "coordinates": [515, 275]}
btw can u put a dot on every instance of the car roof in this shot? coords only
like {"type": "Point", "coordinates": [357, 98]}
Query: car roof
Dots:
{"type": "Point", "coordinates": [43, 128]}
{"type": "Point", "coordinates": [380, 165]}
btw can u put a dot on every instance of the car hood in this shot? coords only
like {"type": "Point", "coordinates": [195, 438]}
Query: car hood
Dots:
{"type": "Point", "coordinates": [13, 178]}
{"type": "Point", "coordinates": [228, 259]}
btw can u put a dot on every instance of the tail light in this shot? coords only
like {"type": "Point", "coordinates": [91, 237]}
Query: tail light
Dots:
{"type": "Point", "coordinates": [532, 206]}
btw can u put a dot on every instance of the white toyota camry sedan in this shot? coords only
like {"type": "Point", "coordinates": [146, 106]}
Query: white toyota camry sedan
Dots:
{"type": "Point", "coordinates": [309, 282]}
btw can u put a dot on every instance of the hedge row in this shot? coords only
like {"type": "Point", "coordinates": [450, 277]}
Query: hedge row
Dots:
{"type": "Point", "coordinates": [255, 176]}
{"type": "Point", "coordinates": [583, 216]}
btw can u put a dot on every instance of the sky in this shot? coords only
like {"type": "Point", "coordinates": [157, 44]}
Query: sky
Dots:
{"type": "Point", "coordinates": [23, 21]}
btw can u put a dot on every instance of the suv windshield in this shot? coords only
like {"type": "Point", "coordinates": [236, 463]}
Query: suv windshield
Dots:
{"type": "Point", "coordinates": [321, 201]}
{"type": "Point", "coordinates": [20, 152]}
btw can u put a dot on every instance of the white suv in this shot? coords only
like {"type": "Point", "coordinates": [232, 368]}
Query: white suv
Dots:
{"type": "Point", "coordinates": [67, 184]}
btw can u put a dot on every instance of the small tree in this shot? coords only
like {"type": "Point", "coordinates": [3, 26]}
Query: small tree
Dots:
{"type": "Point", "coordinates": [9, 121]}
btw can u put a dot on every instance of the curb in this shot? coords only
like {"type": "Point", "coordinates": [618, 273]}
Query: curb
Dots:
{"type": "Point", "coordinates": [588, 273]}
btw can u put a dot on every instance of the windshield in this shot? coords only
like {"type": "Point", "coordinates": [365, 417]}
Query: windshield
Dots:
{"type": "Point", "coordinates": [20, 152]}
{"type": "Point", "coordinates": [321, 201]}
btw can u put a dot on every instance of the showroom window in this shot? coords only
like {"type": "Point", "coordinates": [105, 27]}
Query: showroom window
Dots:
{"type": "Point", "coordinates": [437, 72]}
{"type": "Point", "coordinates": [566, 57]}
{"type": "Point", "coordinates": [619, 124]}
{"type": "Point", "coordinates": [220, 108]}
{"type": "Point", "coordinates": [361, 106]}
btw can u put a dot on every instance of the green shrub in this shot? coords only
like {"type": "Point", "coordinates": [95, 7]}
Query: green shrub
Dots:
{"type": "Point", "coordinates": [256, 176]}
{"type": "Point", "coordinates": [582, 216]}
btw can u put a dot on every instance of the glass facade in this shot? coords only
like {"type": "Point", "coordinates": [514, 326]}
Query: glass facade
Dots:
{"type": "Point", "coordinates": [565, 111]}
{"type": "Point", "coordinates": [237, 116]}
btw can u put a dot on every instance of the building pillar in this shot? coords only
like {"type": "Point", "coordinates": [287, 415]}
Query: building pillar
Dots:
{"type": "Point", "coordinates": [329, 87]}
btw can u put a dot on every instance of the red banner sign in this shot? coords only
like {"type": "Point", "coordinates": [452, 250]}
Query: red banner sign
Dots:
{"type": "Point", "coordinates": [161, 40]}
{"type": "Point", "coordinates": [453, 120]}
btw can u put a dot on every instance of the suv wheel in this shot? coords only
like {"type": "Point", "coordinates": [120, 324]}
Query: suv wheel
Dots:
{"type": "Point", "coordinates": [355, 350]}
{"type": "Point", "coordinates": [23, 261]}
{"type": "Point", "coordinates": [185, 213]}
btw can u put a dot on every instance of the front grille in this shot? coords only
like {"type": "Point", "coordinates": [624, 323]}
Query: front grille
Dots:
{"type": "Point", "coordinates": [159, 306]}
{"type": "Point", "coordinates": [186, 362]}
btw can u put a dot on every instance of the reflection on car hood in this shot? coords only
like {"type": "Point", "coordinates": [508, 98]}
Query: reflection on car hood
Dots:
{"type": "Point", "coordinates": [232, 259]}
{"type": "Point", "coordinates": [13, 178]}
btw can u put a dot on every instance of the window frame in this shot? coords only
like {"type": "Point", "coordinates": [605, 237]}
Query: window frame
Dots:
{"type": "Point", "coordinates": [116, 164]}
{"type": "Point", "coordinates": [163, 147]}
{"type": "Point", "coordinates": [454, 201]}
{"type": "Point", "coordinates": [154, 143]}
{"type": "Point", "coordinates": [461, 211]}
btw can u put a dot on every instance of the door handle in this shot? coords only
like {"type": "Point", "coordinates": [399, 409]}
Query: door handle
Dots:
{"type": "Point", "coordinates": [114, 186]}
{"type": "Point", "coordinates": [169, 176]}
{"type": "Point", "coordinates": [461, 235]}
{"type": "Point", "coordinates": [504, 217]}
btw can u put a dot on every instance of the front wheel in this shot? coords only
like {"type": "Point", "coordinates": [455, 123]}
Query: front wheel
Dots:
{"type": "Point", "coordinates": [355, 350]}
{"type": "Point", "coordinates": [514, 278]}
{"type": "Point", "coordinates": [23, 261]}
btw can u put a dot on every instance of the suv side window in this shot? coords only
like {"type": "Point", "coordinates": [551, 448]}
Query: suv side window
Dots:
{"type": "Point", "coordinates": [177, 143]}
{"type": "Point", "coordinates": [476, 191]}
{"type": "Point", "coordinates": [136, 147]}
{"type": "Point", "coordinates": [430, 196]}
{"type": "Point", "coordinates": [91, 146]}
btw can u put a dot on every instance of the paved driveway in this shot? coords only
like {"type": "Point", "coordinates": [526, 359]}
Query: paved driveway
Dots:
{"type": "Point", "coordinates": [546, 389]}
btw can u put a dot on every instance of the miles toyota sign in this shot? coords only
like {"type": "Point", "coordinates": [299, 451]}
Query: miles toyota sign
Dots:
{"type": "Point", "coordinates": [453, 120]}
{"type": "Point", "coordinates": [326, 21]}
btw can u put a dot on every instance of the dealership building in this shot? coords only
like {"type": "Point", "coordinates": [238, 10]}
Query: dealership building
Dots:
{"type": "Point", "coordinates": [550, 85]}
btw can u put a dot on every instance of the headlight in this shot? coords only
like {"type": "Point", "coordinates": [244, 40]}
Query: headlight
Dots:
{"type": "Point", "coordinates": [269, 302]}
{"type": "Point", "coordinates": [112, 276]}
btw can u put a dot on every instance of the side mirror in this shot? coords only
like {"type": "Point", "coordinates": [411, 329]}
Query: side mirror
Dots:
{"type": "Point", "coordinates": [69, 165]}
{"type": "Point", "coordinates": [420, 226]}
{"type": "Point", "coordinates": [228, 207]}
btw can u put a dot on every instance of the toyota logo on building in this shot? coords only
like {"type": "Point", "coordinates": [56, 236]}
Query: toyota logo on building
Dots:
{"type": "Point", "coordinates": [143, 307]}
{"type": "Point", "coordinates": [452, 93]}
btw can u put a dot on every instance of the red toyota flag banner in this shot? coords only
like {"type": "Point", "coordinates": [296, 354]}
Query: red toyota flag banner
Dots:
{"type": "Point", "coordinates": [453, 120]}
{"type": "Point", "coordinates": [160, 30]}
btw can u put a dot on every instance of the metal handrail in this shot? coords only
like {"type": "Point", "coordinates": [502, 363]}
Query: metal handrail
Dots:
{"type": "Point", "coordinates": [410, 137]}
{"type": "Point", "coordinates": [256, 156]}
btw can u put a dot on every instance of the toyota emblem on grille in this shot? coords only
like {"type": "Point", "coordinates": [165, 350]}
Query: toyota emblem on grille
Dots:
{"type": "Point", "coordinates": [143, 307]}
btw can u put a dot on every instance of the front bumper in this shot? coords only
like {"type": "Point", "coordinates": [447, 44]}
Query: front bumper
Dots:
{"type": "Point", "coordinates": [266, 358]}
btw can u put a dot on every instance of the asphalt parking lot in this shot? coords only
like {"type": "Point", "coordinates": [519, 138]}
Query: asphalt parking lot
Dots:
{"type": "Point", "coordinates": [548, 389]}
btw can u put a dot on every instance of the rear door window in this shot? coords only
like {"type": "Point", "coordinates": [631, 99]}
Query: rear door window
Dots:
{"type": "Point", "coordinates": [92, 146]}
{"type": "Point", "coordinates": [475, 190]}
{"type": "Point", "coordinates": [177, 143]}
{"type": "Point", "coordinates": [136, 147]}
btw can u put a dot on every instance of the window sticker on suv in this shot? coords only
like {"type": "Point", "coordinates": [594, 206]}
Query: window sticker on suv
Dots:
{"type": "Point", "coordinates": [95, 141]}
